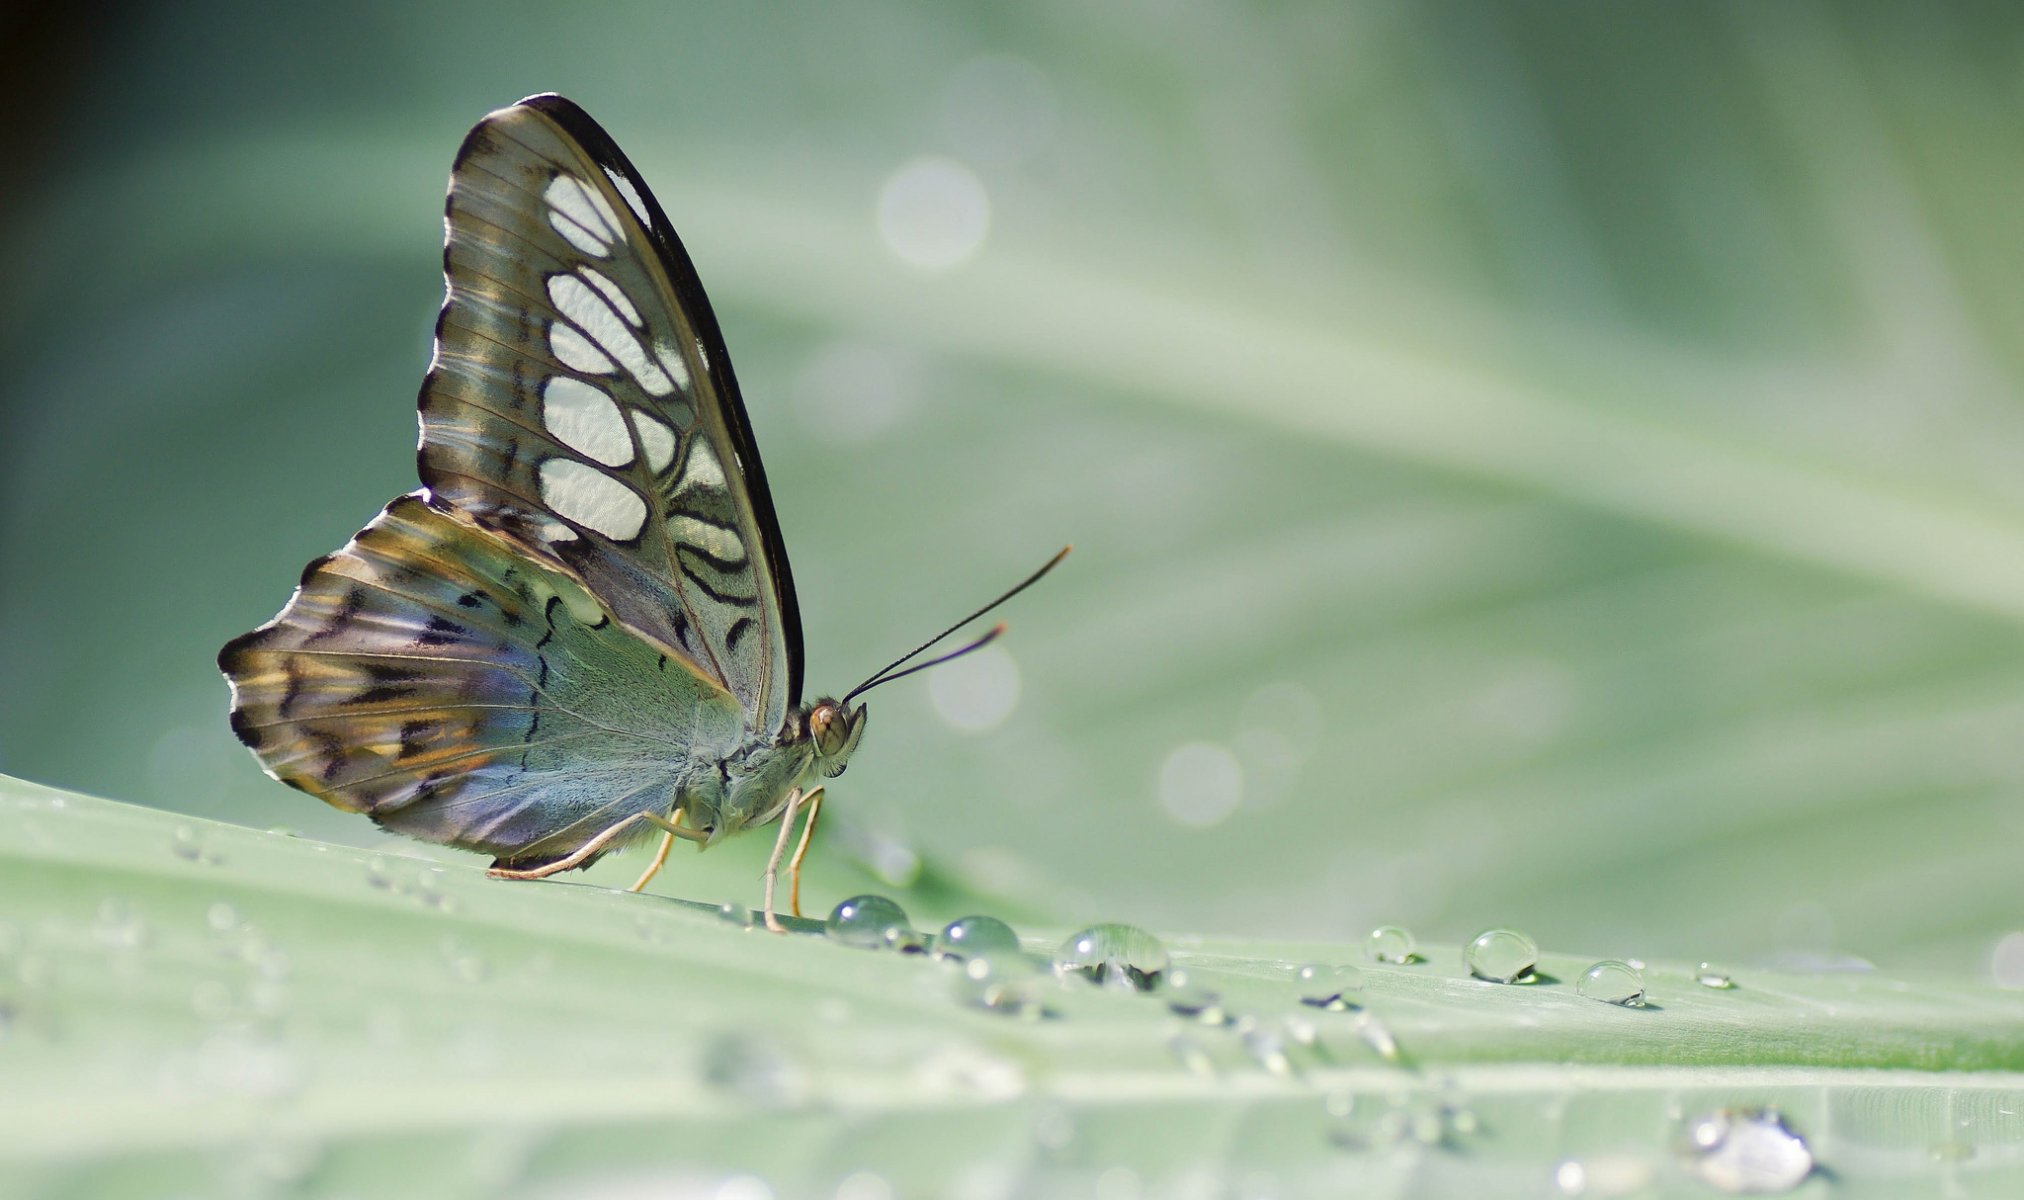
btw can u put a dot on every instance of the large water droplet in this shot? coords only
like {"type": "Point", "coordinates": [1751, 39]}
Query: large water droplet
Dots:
{"type": "Point", "coordinates": [1613, 982]}
{"type": "Point", "coordinates": [1708, 976]}
{"type": "Point", "coordinates": [862, 921]}
{"type": "Point", "coordinates": [1113, 954]}
{"type": "Point", "coordinates": [1389, 944]}
{"type": "Point", "coordinates": [1748, 1150]}
{"type": "Point", "coordinates": [976, 936]}
{"type": "Point", "coordinates": [1327, 986]}
{"type": "Point", "coordinates": [1011, 985]}
{"type": "Point", "coordinates": [1500, 955]}
{"type": "Point", "coordinates": [1188, 996]}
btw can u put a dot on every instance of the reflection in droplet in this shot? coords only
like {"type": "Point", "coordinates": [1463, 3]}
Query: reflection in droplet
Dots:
{"type": "Point", "coordinates": [1113, 954]}
{"type": "Point", "coordinates": [1747, 1150]}
{"type": "Point", "coordinates": [1389, 944]}
{"type": "Point", "coordinates": [976, 936]}
{"type": "Point", "coordinates": [1327, 986]}
{"type": "Point", "coordinates": [977, 691]}
{"type": "Point", "coordinates": [1201, 784]}
{"type": "Point", "coordinates": [933, 213]}
{"type": "Point", "coordinates": [1709, 976]}
{"type": "Point", "coordinates": [1500, 955]}
{"type": "Point", "coordinates": [1613, 982]}
{"type": "Point", "coordinates": [862, 921]}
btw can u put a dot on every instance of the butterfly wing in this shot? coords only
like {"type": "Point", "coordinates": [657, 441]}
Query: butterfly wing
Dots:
{"type": "Point", "coordinates": [581, 404]}
{"type": "Point", "coordinates": [433, 676]}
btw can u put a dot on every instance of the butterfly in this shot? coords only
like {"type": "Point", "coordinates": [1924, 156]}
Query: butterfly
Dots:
{"type": "Point", "coordinates": [582, 629]}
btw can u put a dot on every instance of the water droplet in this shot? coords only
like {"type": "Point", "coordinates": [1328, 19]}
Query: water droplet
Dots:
{"type": "Point", "coordinates": [1189, 1053]}
{"type": "Point", "coordinates": [1709, 977]}
{"type": "Point", "coordinates": [1610, 1177]}
{"type": "Point", "coordinates": [904, 939]}
{"type": "Point", "coordinates": [1389, 944]}
{"type": "Point", "coordinates": [1053, 1128]}
{"type": "Point", "coordinates": [1188, 996]}
{"type": "Point", "coordinates": [1748, 1150]}
{"type": "Point", "coordinates": [970, 937]}
{"type": "Point", "coordinates": [1010, 985]}
{"type": "Point", "coordinates": [1118, 955]}
{"type": "Point", "coordinates": [221, 917]}
{"type": "Point", "coordinates": [119, 926]}
{"type": "Point", "coordinates": [379, 874]}
{"type": "Point", "coordinates": [1264, 1045]}
{"type": "Point", "coordinates": [1951, 1151]}
{"type": "Point", "coordinates": [1613, 982]}
{"type": "Point", "coordinates": [1377, 1035]}
{"type": "Point", "coordinates": [429, 889]}
{"type": "Point", "coordinates": [733, 913]}
{"type": "Point", "coordinates": [754, 1069]}
{"type": "Point", "coordinates": [187, 844]}
{"type": "Point", "coordinates": [1500, 955]}
{"type": "Point", "coordinates": [862, 921]}
{"type": "Point", "coordinates": [1327, 986]}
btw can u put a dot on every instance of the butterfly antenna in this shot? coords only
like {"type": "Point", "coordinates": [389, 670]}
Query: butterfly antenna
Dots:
{"type": "Point", "coordinates": [890, 672]}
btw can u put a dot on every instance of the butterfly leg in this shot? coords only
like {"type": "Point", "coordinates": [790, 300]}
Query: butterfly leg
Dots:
{"type": "Point", "coordinates": [801, 851]}
{"type": "Point", "coordinates": [589, 850]}
{"type": "Point", "coordinates": [780, 848]}
{"type": "Point", "coordinates": [668, 836]}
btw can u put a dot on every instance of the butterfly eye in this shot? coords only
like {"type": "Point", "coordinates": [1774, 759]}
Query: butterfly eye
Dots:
{"type": "Point", "coordinates": [830, 727]}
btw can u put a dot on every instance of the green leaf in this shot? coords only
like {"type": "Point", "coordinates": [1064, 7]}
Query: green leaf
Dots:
{"type": "Point", "coordinates": [200, 1009]}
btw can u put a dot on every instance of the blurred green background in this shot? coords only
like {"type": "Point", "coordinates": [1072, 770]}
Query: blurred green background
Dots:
{"type": "Point", "coordinates": [1554, 465]}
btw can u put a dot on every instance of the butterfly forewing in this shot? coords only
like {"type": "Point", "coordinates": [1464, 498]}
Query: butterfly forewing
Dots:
{"type": "Point", "coordinates": [581, 404]}
{"type": "Point", "coordinates": [435, 677]}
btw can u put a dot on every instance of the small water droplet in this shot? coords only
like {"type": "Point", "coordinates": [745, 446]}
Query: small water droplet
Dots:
{"type": "Point", "coordinates": [1265, 1046]}
{"type": "Point", "coordinates": [429, 889]}
{"type": "Point", "coordinates": [1112, 954]}
{"type": "Point", "coordinates": [753, 1068]}
{"type": "Point", "coordinates": [1500, 955]}
{"type": "Point", "coordinates": [969, 937]}
{"type": "Point", "coordinates": [1190, 1054]}
{"type": "Point", "coordinates": [1188, 996]}
{"type": "Point", "coordinates": [1390, 944]}
{"type": "Point", "coordinates": [1747, 1150]}
{"type": "Point", "coordinates": [1010, 985]}
{"type": "Point", "coordinates": [1323, 985]}
{"type": "Point", "coordinates": [187, 844]}
{"type": "Point", "coordinates": [1053, 1128]}
{"type": "Point", "coordinates": [1613, 982]}
{"type": "Point", "coordinates": [730, 912]}
{"type": "Point", "coordinates": [221, 917]}
{"type": "Point", "coordinates": [1377, 1035]}
{"type": "Point", "coordinates": [862, 921]}
{"type": "Point", "coordinates": [1709, 977]}
{"type": "Point", "coordinates": [379, 874]}
{"type": "Point", "coordinates": [1610, 1177]}
{"type": "Point", "coordinates": [1951, 1151]}
{"type": "Point", "coordinates": [119, 925]}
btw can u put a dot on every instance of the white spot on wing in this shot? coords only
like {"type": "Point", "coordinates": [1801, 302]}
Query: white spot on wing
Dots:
{"type": "Point", "coordinates": [592, 499]}
{"type": "Point", "coordinates": [574, 204]}
{"type": "Point", "coordinates": [632, 196]}
{"type": "Point", "coordinates": [701, 469]}
{"type": "Point", "coordinates": [719, 543]}
{"type": "Point", "coordinates": [613, 293]}
{"type": "Point", "coordinates": [671, 359]}
{"type": "Point", "coordinates": [657, 439]}
{"type": "Point", "coordinates": [574, 351]}
{"type": "Point", "coordinates": [574, 299]}
{"type": "Point", "coordinates": [586, 420]}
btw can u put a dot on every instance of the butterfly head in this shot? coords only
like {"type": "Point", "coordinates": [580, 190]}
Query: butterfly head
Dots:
{"type": "Point", "coordinates": [834, 727]}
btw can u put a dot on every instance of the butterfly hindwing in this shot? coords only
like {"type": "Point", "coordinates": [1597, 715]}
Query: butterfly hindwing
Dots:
{"type": "Point", "coordinates": [433, 676]}
{"type": "Point", "coordinates": [582, 406]}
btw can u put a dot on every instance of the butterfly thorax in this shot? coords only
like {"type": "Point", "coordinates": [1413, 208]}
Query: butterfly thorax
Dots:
{"type": "Point", "coordinates": [816, 743]}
